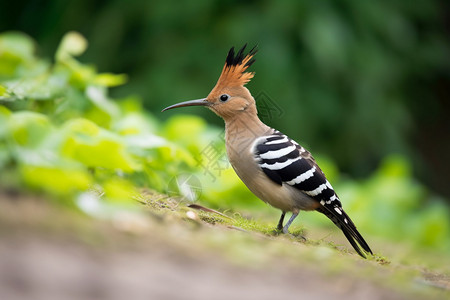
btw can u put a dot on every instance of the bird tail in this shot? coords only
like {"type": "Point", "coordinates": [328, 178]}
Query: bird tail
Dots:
{"type": "Point", "coordinates": [343, 221]}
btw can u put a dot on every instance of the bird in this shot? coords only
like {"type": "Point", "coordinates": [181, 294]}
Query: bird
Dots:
{"type": "Point", "coordinates": [273, 166]}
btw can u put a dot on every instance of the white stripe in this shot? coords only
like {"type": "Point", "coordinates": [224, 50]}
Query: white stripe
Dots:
{"type": "Point", "coordinates": [302, 177]}
{"type": "Point", "coordinates": [333, 198]}
{"type": "Point", "coordinates": [338, 210]}
{"type": "Point", "coordinates": [255, 143]}
{"type": "Point", "coordinates": [317, 191]}
{"type": "Point", "coordinates": [283, 140]}
{"type": "Point", "coordinates": [278, 165]}
{"type": "Point", "coordinates": [277, 153]}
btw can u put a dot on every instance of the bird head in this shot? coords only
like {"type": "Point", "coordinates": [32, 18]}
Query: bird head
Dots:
{"type": "Point", "coordinates": [229, 97]}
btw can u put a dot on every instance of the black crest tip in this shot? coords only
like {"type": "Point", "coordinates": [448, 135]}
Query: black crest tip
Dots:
{"type": "Point", "coordinates": [234, 60]}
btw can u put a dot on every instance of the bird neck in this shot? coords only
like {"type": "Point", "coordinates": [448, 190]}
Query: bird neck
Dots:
{"type": "Point", "coordinates": [242, 130]}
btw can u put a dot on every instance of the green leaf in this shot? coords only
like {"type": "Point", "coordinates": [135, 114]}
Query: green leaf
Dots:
{"type": "Point", "coordinates": [40, 87]}
{"type": "Point", "coordinates": [16, 48]}
{"type": "Point", "coordinates": [110, 80]}
{"type": "Point", "coordinates": [94, 147]}
{"type": "Point", "coordinates": [4, 112]}
{"type": "Point", "coordinates": [82, 127]}
{"type": "Point", "coordinates": [72, 44]}
{"type": "Point", "coordinates": [118, 189]}
{"type": "Point", "coordinates": [81, 75]}
{"type": "Point", "coordinates": [395, 166]}
{"type": "Point", "coordinates": [28, 129]}
{"type": "Point", "coordinates": [56, 180]}
{"type": "Point", "coordinates": [183, 127]}
{"type": "Point", "coordinates": [98, 96]}
{"type": "Point", "coordinates": [4, 92]}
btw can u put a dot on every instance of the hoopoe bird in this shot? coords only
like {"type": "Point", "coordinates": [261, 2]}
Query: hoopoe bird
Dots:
{"type": "Point", "coordinates": [273, 166]}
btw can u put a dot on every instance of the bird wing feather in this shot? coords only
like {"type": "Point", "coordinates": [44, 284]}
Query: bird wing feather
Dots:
{"type": "Point", "coordinates": [286, 162]}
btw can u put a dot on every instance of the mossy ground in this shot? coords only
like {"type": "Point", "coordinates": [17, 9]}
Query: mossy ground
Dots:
{"type": "Point", "coordinates": [408, 277]}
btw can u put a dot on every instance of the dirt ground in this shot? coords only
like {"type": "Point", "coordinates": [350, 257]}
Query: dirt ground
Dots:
{"type": "Point", "coordinates": [32, 268]}
{"type": "Point", "coordinates": [46, 253]}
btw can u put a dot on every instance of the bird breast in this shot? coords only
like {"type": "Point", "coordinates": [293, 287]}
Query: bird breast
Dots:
{"type": "Point", "coordinates": [284, 197]}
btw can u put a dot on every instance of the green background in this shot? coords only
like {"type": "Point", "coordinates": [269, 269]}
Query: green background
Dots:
{"type": "Point", "coordinates": [356, 80]}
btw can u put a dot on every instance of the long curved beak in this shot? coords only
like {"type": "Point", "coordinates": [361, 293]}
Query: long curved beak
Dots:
{"type": "Point", "coordinates": [198, 102]}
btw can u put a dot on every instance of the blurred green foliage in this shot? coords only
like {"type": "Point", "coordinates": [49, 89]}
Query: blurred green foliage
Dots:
{"type": "Point", "coordinates": [360, 79]}
{"type": "Point", "coordinates": [63, 135]}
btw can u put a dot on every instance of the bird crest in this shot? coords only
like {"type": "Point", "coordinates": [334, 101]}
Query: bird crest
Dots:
{"type": "Point", "coordinates": [234, 71]}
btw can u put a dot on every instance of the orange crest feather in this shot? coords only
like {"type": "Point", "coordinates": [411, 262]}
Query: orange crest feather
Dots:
{"type": "Point", "coordinates": [233, 72]}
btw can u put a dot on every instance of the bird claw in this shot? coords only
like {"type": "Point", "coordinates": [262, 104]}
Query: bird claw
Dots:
{"type": "Point", "coordinates": [277, 231]}
{"type": "Point", "coordinates": [286, 231]}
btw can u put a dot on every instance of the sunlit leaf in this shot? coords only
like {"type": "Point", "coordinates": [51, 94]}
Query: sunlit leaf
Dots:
{"type": "Point", "coordinates": [110, 80]}
{"type": "Point", "coordinates": [119, 190]}
{"type": "Point", "coordinates": [395, 166]}
{"type": "Point", "coordinates": [4, 112]}
{"type": "Point", "coordinates": [81, 75]}
{"type": "Point", "coordinates": [98, 96]}
{"type": "Point", "coordinates": [72, 44]}
{"type": "Point", "coordinates": [4, 92]}
{"type": "Point", "coordinates": [15, 48]}
{"type": "Point", "coordinates": [56, 180]}
{"type": "Point", "coordinates": [94, 147]}
{"type": "Point", "coordinates": [82, 127]}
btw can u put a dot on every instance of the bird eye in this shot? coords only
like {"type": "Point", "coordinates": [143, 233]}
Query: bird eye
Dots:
{"type": "Point", "coordinates": [224, 97]}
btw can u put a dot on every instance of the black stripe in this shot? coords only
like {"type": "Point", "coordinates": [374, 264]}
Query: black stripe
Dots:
{"type": "Point", "coordinates": [293, 154]}
{"type": "Point", "coordinates": [263, 148]}
{"type": "Point", "coordinates": [274, 138]}
{"type": "Point", "coordinates": [293, 170]}
{"type": "Point", "coordinates": [273, 175]}
{"type": "Point", "coordinates": [325, 194]}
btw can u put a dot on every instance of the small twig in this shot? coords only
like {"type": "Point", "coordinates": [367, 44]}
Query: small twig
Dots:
{"type": "Point", "coordinates": [199, 207]}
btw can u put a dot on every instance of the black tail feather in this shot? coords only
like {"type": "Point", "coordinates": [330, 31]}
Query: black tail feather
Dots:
{"type": "Point", "coordinates": [348, 228]}
{"type": "Point", "coordinates": [353, 243]}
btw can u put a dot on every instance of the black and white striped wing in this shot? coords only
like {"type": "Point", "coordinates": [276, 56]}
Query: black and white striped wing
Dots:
{"type": "Point", "coordinates": [286, 162]}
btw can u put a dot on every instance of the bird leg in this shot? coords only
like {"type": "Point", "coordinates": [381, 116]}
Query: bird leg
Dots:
{"type": "Point", "coordinates": [280, 223]}
{"type": "Point", "coordinates": [286, 227]}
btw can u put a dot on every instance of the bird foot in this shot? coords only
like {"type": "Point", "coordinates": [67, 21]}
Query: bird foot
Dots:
{"type": "Point", "coordinates": [277, 231]}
